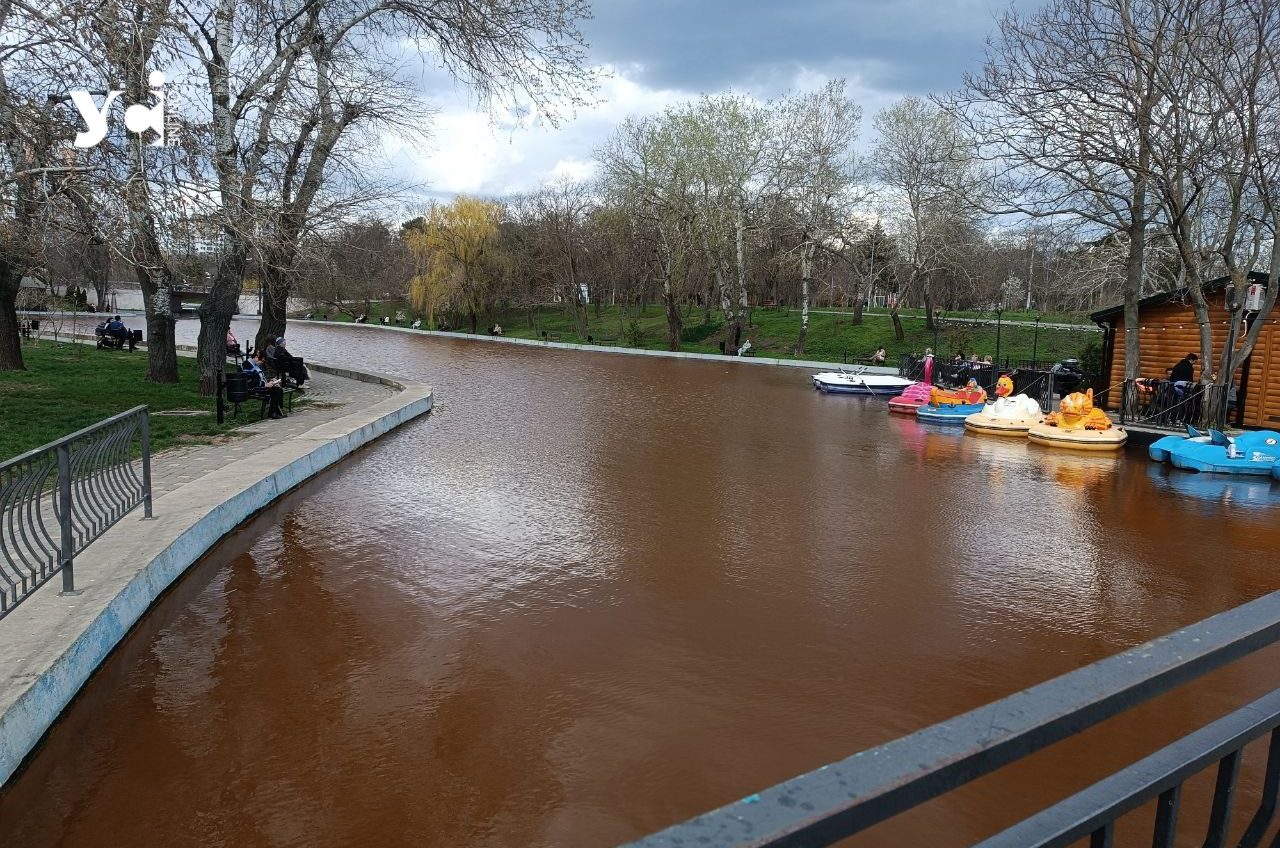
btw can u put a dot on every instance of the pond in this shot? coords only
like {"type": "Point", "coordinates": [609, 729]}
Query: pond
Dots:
{"type": "Point", "coordinates": [592, 595]}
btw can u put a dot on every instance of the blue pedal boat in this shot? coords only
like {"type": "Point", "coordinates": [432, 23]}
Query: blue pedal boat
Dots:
{"type": "Point", "coordinates": [1255, 453]}
{"type": "Point", "coordinates": [953, 415]}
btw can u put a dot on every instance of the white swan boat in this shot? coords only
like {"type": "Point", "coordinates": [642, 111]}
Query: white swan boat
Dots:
{"type": "Point", "coordinates": [857, 382]}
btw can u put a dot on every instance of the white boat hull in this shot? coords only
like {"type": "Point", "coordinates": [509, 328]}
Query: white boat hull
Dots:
{"type": "Point", "coordinates": [859, 384]}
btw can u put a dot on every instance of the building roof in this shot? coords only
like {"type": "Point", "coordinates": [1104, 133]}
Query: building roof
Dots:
{"type": "Point", "coordinates": [1176, 296]}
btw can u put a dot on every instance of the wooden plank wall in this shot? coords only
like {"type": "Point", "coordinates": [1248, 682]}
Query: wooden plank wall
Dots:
{"type": "Point", "coordinates": [1169, 332]}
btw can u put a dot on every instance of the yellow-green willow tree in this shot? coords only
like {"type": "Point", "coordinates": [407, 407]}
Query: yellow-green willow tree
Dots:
{"type": "Point", "coordinates": [457, 257]}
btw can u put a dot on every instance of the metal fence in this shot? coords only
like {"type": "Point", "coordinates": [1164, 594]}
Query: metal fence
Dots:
{"type": "Point", "coordinates": [849, 796]}
{"type": "Point", "coordinates": [1172, 406]}
{"type": "Point", "coordinates": [57, 499]}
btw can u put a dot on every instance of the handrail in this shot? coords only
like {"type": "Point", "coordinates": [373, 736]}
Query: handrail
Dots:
{"type": "Point", "coordinates": [57, 499]}
{"type": "Point", "coordinates": [849, 796]}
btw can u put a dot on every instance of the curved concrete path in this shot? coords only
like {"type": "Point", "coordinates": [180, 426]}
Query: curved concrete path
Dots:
{"type": "Point", "coordinates": [51, 644]}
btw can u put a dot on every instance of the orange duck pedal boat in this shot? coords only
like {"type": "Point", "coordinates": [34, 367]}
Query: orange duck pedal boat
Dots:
{"type": "Point", "coordinates": [1078, 425]}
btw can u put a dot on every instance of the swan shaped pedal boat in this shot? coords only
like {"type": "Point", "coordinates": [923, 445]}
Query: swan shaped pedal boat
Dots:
{"type": "Point", "coordinates": [912, 397]}
{"type": "Point", "coordinates": [1255, 453]}
{"type": "Point", "coordinates": [1010, 415]}
{"type": "Point", "coordinates": [1078, 425]}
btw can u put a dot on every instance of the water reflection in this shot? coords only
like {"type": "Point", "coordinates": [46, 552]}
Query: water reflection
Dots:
{"type": "Point", "coordinates": [592, 595]}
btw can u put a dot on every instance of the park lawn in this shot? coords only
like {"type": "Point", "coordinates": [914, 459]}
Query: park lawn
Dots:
{"type": "Point", "coordinates": [833, 337]}
{"type": "Point", "coordinates": [70, 386]}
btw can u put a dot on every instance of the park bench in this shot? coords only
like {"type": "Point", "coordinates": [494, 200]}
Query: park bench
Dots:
{"type": "Point", "coordinates": [236, 390]}
{"type": "Point", "coordinates": [602, 340]}
{"type": "Point", "coordinates": [116, 339]}
{"type": "Point", "coordinates": [291, 370]}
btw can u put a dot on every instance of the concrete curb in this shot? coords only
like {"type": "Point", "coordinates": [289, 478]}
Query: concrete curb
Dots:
{"type": "Point", "coordinates": [51, 644]}
{"type": "Point", "coordinates": [631, 351]}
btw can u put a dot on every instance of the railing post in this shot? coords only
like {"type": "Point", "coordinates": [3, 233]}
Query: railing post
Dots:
{"type": "Point", "coordinates": [66, 554]}
{"type": "Point", "coordinates": [146, 462]}
{"type": "Point", "coordinates": [218, 402]}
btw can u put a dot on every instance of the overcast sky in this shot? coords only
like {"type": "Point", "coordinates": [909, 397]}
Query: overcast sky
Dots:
{"type": "Point", "coordinates": [660, 52]}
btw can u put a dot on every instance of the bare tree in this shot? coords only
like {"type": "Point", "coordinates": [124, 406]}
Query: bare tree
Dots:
{"type": "Point", "coordinates": [818, 178]}
{"type": "Point", "coordinates": [1065, 107]}
{"type": "Point", "coordinates": [925, 163]}
{"type": "Point", "coordinates": [645, 171]}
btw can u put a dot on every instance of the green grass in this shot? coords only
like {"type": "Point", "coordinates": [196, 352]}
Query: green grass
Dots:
{"type": "Point", "coordinates": [67, 387]}
{"type": "Point", "coordinates": [773, 332]}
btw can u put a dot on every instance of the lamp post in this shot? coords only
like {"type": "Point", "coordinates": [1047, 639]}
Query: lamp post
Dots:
{"type": "Point", "coordinates": [937, 319]}
{"type": "Point", "coordinates": [999, 312]}
{"type": "Point", "coordinates": [1035, 341]}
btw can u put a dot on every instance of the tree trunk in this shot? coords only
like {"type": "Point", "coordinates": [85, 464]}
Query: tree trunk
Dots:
{"type": "Point", "coordinates": [216, 313]}
{"type": "Point", "coordinates": [277, 285]}
{"type": "Point", "coordinates": [474, 319]}
{"type": "Point", "coordinates": [275, 303]}
{"type": "Point", "coordinates": [10, 340]}
{"type": "Point", "coordinates": [857, 304]}
{"type": "Point", "coordinates": [162, 350]}
{"type": "Point", "coordinates": [898, 334]}
{"type": "Point", "coordinates": [99, 272]}
{"type": "Point", "coordinates": [806, 279]}
{"type": "Point", "coordinates": [675, 325]}
{"type": "Point", "coordinates": [740, 319]}
{"type": "Point", "coordinates": [1133, 286]}
{"type": "Point", "coordinates": [928, 308]}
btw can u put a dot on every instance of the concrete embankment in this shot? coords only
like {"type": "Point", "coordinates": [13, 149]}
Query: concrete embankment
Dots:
{"type": "Point", "coordinates": [631, 351]}
{"type": "Point", "coordinates": [51, 644]}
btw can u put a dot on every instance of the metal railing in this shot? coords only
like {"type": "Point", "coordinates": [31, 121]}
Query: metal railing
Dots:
{"type": "Point", "coordinates": [57, 499]}
{"type": "Point", "coordinates": [847, 797]}
{"type": "Point", "coordinates": [1171, 406]}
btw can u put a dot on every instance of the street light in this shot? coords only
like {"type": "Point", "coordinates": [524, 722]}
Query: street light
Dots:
{"type": "Point", "coordinates": [999, 312]}
{"type": "Point", "coordinates": [1035, 341]}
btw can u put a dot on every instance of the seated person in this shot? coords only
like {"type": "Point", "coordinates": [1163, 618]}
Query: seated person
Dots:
{"type": "Point", "coordinates": [256, 368]}
{"type": "Point", "coordinates": [386, 322]}
{"type": "Point", "coordinates": [288, 364]}
{"type": "Point", "coordinates": [745, 349]}
{"type": "Point", "coordinates": [879, 356]}
{"type": "Point", "coordinates": [233, 346]}
{"type": "Point", "coordinates": [116, 328]}
{"type": "Point", "coordinates": [417, 324]}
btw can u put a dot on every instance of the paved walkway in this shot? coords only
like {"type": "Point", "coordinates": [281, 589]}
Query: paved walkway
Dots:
{"type": "Point", "coordinates": [328, 397]}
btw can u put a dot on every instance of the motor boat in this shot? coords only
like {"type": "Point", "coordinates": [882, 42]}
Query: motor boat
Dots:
{"type": "Point", "coordinates": [1010, 415]}
{"type": "Point", "coordinates": [1078, 425]}
{"type": "Point", "coordinates": [857, 382]}
{"type": "Point", "coordinates": [912, 396]}
{"type": "Point", "coordinates": [1254, 453]}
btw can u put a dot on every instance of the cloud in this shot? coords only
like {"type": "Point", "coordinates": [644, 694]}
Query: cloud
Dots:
{"type": "Point", "coordinates": [659, 52]}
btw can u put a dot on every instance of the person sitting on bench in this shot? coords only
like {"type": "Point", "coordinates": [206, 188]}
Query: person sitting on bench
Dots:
{"type": "Point", "coordinates": [255, 367]}
{"type": "Point", "coordinates": [286, 364]}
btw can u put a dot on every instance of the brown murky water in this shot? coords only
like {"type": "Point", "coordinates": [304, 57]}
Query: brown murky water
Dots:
{"type": "Point", "coordinates": [592, 595]}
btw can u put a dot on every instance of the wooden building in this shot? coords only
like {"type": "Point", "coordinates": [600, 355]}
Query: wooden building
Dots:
{"type": "Point", "coordinates": [1168, 332]}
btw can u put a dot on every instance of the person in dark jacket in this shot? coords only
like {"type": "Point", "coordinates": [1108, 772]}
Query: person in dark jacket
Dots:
{"type": "Point", "coordinates": [1185, 370]}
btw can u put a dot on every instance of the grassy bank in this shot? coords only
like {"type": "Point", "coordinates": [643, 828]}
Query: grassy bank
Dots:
{"type": "Point", "coordinates": [833, 336]}
{"type": "Point", "coordinates": [67, 387]}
